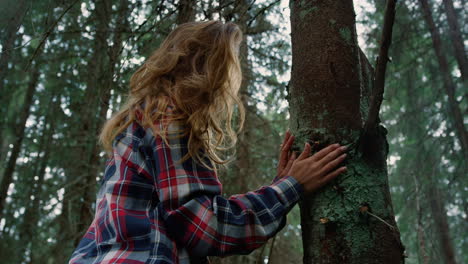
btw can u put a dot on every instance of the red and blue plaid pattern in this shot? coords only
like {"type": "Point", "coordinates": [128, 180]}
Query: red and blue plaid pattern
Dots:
{"type": "Point", "coordinates": [151, 209]}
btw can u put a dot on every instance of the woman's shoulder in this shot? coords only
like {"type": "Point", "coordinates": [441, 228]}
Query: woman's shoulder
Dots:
{"type": "Point", "coordinates": [132, 135]}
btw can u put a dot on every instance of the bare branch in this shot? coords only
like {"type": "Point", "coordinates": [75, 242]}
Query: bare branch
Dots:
{"type": "Point", "coordinates": [47, 33]}
{"type": "Point", "coordinates": [381, 66]}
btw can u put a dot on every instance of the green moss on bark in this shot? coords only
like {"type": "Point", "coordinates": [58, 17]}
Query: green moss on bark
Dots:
{"type": "Point", "coordinates": [345, 33]}
{"type": "Point", "coordinates": [305, 12]}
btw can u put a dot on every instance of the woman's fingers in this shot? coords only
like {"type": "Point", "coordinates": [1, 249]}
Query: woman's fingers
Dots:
{"type": "Point", "coordinates": [323, 152]}
{"type": "Point", "coordinates": [286, 150]}
{"type": "Point", "coordinates": [287, 135]}
{"type": "Point", "coordinates": [332, 164]}
{"type": "Point", "coordinates": [330, 176]}
{"type": "Point", "coordinates": [280, 158]}
{"type": "Point", "coordinates": [305, 153]}
{"type": "Point", "coordinates": [285, 147]}
{"type": "Point", "coordinates": [288, 144]}
{"type": "Point", "coordinates": [290, 162]}
{"type": "Point", "coordinates": [331, 156]}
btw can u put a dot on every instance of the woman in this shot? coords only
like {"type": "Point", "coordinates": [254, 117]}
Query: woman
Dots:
{"type": "Point", "coordinates": [160, 198]}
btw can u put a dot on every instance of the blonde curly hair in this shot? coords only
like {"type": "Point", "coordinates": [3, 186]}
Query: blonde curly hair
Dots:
{"type": "Point", "coordinates": [197, 69]}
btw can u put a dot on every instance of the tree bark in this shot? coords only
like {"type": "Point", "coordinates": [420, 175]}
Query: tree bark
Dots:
{"type": "Point", "coordinates": [350, 220]}
{"type": "Point", "coordinates": [186, 11]}
{"type": "Point", "coordinates": [457, 39]}
{"type": "Point", "coordinates": [449, 86]}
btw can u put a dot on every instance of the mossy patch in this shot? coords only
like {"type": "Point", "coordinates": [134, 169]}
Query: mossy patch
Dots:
{"type": "Point", "coordinates": [306, 11]}
{"type": "Point", "coordinates": [345, 33]}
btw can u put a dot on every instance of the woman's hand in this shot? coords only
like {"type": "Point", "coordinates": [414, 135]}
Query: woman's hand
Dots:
{"type": "Point", "coordinates": [315, 171]}
{"type": "Point", "coordinates": [286, 158]}
{"type": "Point", "coordinates": [311, 171]}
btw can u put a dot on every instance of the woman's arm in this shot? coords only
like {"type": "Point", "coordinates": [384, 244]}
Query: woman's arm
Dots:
{"type": "Point", "coordinates": [201, 219]}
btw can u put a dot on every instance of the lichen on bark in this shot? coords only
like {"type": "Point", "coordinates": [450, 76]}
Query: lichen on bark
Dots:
{"type": "Point", "coordinates": [351, 219]}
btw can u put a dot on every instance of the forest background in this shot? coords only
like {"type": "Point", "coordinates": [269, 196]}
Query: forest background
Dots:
{"type": "Point", "coordinates": [65, 68]}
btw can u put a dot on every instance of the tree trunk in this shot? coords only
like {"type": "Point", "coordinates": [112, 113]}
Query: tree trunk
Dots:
{"type": "Point", "coordinates": [186, 11]}
{"type": "Point", "coordinates": [440, 219]}
{"type": "Point", "coordinates": [20, 127]}
{"type": "Point", "coordinates": [8, 40]}
{"type": "Point", "coordinates": [457, 39]}
{"type": "Point", "coordinates": [107, 83]}
{"type": "Point", "coordinates": [77, 212]}
{"type": "Point", "coordinates": [350, 220]}
{"type": "Point", "coordinates": [243, 163]}
{"type": "Point", "coordinates": [416, 133]}
{"type": "Point", "coordinates": [28, 230]}
{"type": "Point", "coordinates": [449, 86]}
{"type": "Point", "coordinates": [420, 226]}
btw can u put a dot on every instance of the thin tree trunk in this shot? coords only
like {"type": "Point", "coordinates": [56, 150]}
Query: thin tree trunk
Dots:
{"type": "Point", "coordinates": [416, 132]}
{"type": "Point", "coordinates": [350, 220]}
{"type": "Point", "coordinates": [25, 229]}
{"type": "Point", "coordinates": [237, 182]}
{"type": "Point", "coordinates": [381, 66]}
{"type": "Point", "coordinates": [20, 127]}
{"type": "Point", "coordinates": [260, 259]}
{"type": "Point", "coordinates": [107, 84]}
{"type": "Point", "coordinates": [431, 191]}
{"type": "Point", "coordinates": [270, 254]}
{"type": "Point", "coordinates": [77, 200]}
{"type": "Point", "coordinates": [8, 40]}
{"type": "Point", "coordinates": [440, 218]}
{"type": "Point", "coordinates": [186, 11]}
{"type": "Point", "coordinates": [457, 39]}
{"type": "Point", "coordinates": [32, 213]}
{"type": "Point", "coordinates": [419, 223]}
{"type": "Point", "coordinates": [243, 164]}
{"type": "Point", "coordinates": [449, 86]}
{"type": "Point", "coordinates": [35, 255]}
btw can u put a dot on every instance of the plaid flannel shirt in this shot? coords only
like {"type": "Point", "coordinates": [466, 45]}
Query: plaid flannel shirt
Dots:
{"type": "Point", "coordinates": [148, 211]}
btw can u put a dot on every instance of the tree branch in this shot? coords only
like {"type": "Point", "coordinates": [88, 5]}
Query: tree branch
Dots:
{"type": "Point", "coordinates": [381, 66]}
{"type": "Point", "coordinates": [261, 11]}
{"type": "Point", "coordinates": [270, 255]}
{"type": "Point", "coordinates": [47, 33]}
